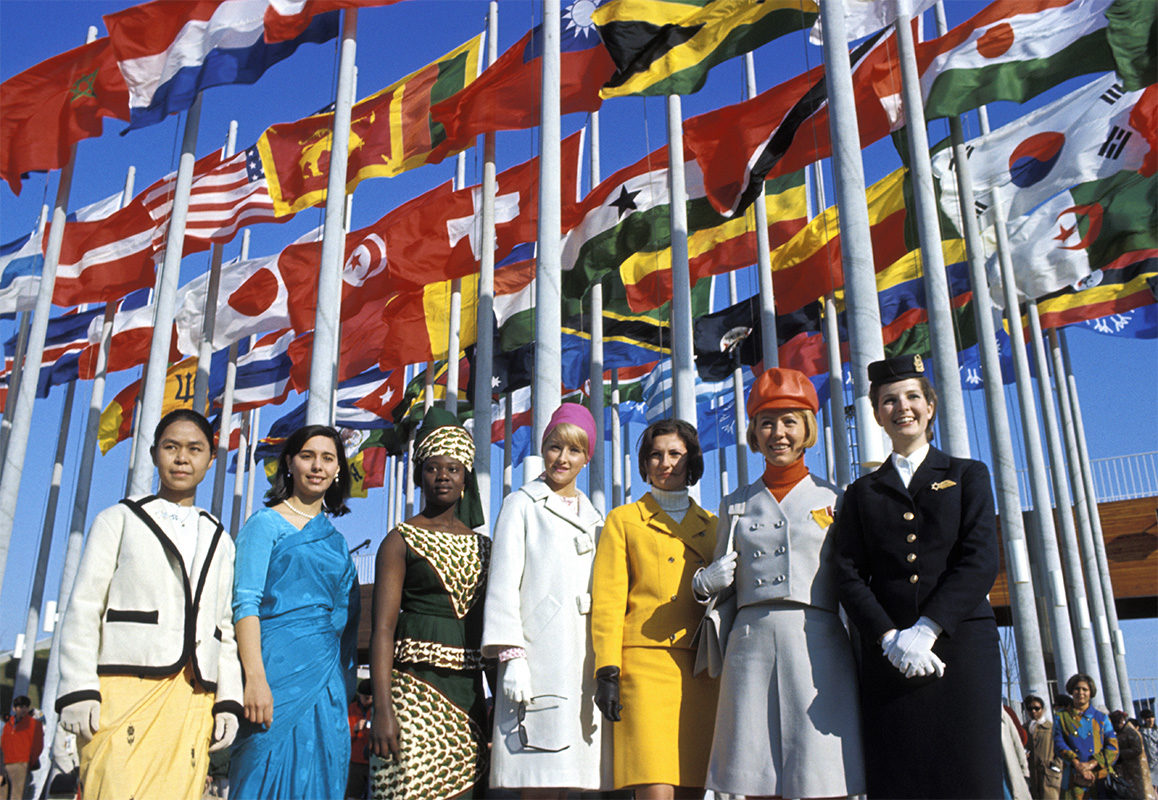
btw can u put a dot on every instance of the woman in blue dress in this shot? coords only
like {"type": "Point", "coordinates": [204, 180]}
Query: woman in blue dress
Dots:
{"type": "Point", "coordinates": [295, 609]}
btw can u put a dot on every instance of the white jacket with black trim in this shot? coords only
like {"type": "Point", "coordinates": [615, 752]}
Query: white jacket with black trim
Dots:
{"type": "Point", "coordinates": [135, 611]}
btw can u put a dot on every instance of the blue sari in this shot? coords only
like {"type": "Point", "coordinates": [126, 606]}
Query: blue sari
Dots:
{"type": "Point", "coordinates": [303, 587]}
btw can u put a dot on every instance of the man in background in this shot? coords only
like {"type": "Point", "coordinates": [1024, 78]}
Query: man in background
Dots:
{"type": "Point", "coordinates": [359, 714]}
{"type": "Point", "coordinates": [21, 743]}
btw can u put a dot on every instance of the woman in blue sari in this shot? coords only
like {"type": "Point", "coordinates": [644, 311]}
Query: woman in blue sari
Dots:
{"type": "Point", "coordinates": [295, 609]}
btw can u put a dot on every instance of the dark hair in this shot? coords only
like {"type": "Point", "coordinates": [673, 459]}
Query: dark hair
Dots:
{"type": "Point", "coordinates": [926, 389]}
{"type": "Point", "coordinates": [1118, 717]}
{"type": "Point", "coordinates": [21, 701]}
{"type": "Point", "coordinates": [687, 435]}
{"type": "Point", "coordinates": [1081, 677]}
{"type": "Point", "coordinates": [178, 415]}
{"type": "Point", "coordinates": [282, 484]}
{"type": "Point", "coordinates": [1031, 698]}
{"type": "Point", "coordinates": [1146, 713]}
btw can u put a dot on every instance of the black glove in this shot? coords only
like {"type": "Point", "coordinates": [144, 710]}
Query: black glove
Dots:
{"type": "Point", "coordinates": [607, 692]}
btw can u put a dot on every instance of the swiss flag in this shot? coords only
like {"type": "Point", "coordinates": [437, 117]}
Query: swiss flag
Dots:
{"type": "Point", "coordinates": [431, 238]}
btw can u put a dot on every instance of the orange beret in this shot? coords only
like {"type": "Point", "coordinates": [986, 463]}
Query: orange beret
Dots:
{"type": "Point", "coordinates": [782, 388]}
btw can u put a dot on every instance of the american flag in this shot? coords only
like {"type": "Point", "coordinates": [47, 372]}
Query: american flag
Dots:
{"type": "Point", "coordinates": [227, 193]}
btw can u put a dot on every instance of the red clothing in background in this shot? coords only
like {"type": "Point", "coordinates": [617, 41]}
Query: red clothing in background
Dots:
{"type": "Point", "coordinates": [22, 741]}
{"type": "Point", "coordinates": [359, 739]}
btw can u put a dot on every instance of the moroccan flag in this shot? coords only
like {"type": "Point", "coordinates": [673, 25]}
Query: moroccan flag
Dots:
{"type": "Point", "coordinates": [668, 47]}
{"type": "Point", "coordinates": [508, 93]}
{"type": "Point", "coordinates": [390, 132]}
{"type": "Point", "coordinates": [116, 423]}
{"type": "Point", "coordinates": [50, 107]}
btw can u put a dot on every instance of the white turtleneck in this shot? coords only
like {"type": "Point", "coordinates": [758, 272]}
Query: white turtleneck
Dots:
{"type": "Point", "coordinates": [676, 503]}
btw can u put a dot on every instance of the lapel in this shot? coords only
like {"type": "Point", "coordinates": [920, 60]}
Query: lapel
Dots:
{"type": "Point", "coordinates": [587, 518]}
{"type": "Point", "coordinates": [888, 479]}
{"type": "Point", "coordinates": [935, 464]}
{"type": "Point", "coordinates": [692, 531]}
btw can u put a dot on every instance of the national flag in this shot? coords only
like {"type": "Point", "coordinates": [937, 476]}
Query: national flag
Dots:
{"type": "Point", "coordinates": [733, 335]}
{"type": "Point", "coordinates": [1079, 230]}
{"type": "Point", "coordinates": [169, 52]}
{"type": "Point", "coordinates": [391, 131]}
{"type": "Point", "coordinates": [1128, 282]}
{"type": "Point", "coordinates": [1144, 118]}
{"type": "Point", "coordinates": [715, 404]}
{"type": "Point", "coordinates": [65, 338]}
{"type": "Point", "coordinates": [227, 193]}
{"type": "Point", "coordinates": [101, 209]}
{"type": "Point", "coordinates": [1133, 27]}
{"type": "Point", "coordinates": [417, 323]}
{"type": "Point", "coordinates": [116, 422]}
{"type": "Point", "coordinates": [50, 107]}
{"type": "Point", "coordinates": [1081, 137]}
{"type": "Point", "coordinates": [507, 94]}
{"type": "Point", "coordinates": [21, 263]}
{"type": "Point", "coordinates": [782, 129]}
{"type": "Point", "coordinates": [862, 17]}
{"type": "Point", "coordinates": [347, 413]}
{"type": "Point", "coordinates": [132, 333]}
{"type": "Point", "coordinates": [366, 456]}
{"type": "Point", "coordinates": [668, 48]}
{"type": "Point", "coordinates": [1136, 323]}
{"type": "Point", "coordinates": [354, 356]}
{"type": "Point", "coordinates": [105, 260]}
{"type": "Point", "coordinates": [263, 374]}
{"type": "Point", "coordinates": [383, 398]}
{"type": "Point", "coordinates": [251, 298]}
{"type": "Point", "coordinates": [288, 19]}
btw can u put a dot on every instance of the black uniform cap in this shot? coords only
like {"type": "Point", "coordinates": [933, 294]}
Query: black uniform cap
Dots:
{"type": "Point", "coordinates": [896, 369]}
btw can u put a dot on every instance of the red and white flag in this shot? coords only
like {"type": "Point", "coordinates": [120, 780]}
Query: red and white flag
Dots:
{"type": "Point", "coordinates": [382, 398]}
{"type": "Point", "coordinates": [104, 260]}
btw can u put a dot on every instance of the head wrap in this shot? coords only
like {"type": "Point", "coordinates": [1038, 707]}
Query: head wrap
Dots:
{"type": "Point", "coordinates": [782, 388]}
{"type": "Point", "coordinates": [441, 435]}
{"type": "Point", "coordinates": [573, 414]}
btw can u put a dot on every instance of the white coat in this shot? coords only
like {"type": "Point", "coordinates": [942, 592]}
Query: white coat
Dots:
{"type": "Point", "coordinates": [539, 599]}
{"type": "Point", "coordinates": [134, 610]}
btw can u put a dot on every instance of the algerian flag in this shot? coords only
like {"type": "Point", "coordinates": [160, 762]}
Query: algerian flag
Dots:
{"type": "Point", "coordinates": [1084, 136]}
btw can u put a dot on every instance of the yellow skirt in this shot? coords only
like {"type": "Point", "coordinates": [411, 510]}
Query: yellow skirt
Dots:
{"type": "Point", "coordinates": [665, 734]}
{"type": "Point", "coordinates": [153, 739]}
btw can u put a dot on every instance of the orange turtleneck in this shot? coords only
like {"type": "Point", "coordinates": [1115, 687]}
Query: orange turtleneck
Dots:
{"type": "Point", "coordinates": [780, 480]}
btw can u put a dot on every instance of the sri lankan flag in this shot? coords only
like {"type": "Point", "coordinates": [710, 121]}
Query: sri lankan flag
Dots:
{"type": "Point", "coordinates": [390, 132]}
{"type": "Point", "coordinates": [116, 423]}
{"type": "Point", "coordinates": [668, 46]}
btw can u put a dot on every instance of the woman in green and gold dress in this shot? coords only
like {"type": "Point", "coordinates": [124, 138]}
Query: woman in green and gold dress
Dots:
{"type": "Point", "coordinates": [428, 735]}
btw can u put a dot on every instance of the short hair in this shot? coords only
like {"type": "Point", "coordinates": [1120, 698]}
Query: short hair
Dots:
{"type": "Point", "coordinates": [365, 686]}
{"type": "Point", "coordinates": [1031, 698]}
{"type": "Point", "coordinates": [687, 435]}
{"type": "Point", "coordinates": [282, 484]}
{"type": "Point", "coordinates": [21, 701]}
{"type": "Point", "coordinates": [926, 389]}
{"type": "Point", "coordinates": [1081, 677]}
{"type": "Point", "coordinates": [1146, 713]}
{"type": "Point", "coordinates": [568, 433]}
{"type": "Point", "coordinates": [811, 434]}
{"type": "Point", "coordinates": [1118, 717]}
{"type": "Point", "coordinates": [179, 415]}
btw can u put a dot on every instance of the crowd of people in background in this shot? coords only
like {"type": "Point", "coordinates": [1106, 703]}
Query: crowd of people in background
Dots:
{"type": "Point", "coordinates": [663, 650]}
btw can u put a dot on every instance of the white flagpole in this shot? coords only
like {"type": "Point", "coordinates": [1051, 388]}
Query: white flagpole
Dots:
{"type": "Point", "coordinates": [319, 408]}
{"type": "Point", "coordinates": [596, 478]}
{"type": "Point", "coordinates": [548, 270]}
{"type": "Point", "coordinates": [224, 433]}
{"type": "Point", "coordinates": [209, 311]}
{"type": "Point", "coordinates": [484, 367]}
{"type": "Point", "coordinates": [454, 319]}
{"type": "Point", "coordinates": [428, 387]}
{"type": "Point", "coordinates": [951, 414]}
{"type": "Point", "coordinates": [738, 384]}
{"type": "Point", "coordinates": [1084, 533]}
{"type": "Point", "coordinates": [250, 483]}
{"type": "Point", "coordinates": [26, 396]}
{"type": "Point", "coordinates": [17, 371]}
{"type": "Point", "coordinates": [164, 305]}
{"type": "Point", "coordinates": [1096, 522]}
{"type": "Point", "coordinates": [617, 495]}
{"type": "Point", "coordinates": [862, 306]}
{"type": "Point", "coordinates": [508, 446]}
{"type": "Point", "coordinates": [683, 377]}
{"type": "Point", "coordinates": [768, 342]}
{"type": "Point", "coordinates": [239, 474]}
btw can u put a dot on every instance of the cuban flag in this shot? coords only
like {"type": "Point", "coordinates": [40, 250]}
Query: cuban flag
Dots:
{"type": "Point", "coordinates": [168, 52]}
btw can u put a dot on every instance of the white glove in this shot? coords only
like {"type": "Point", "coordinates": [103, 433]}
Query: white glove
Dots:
{"type": "Point", "coordinates": [911, 651]}
{"type": "Point", "coordinates": [224, 731]}
{"type": "Point", "coordinates": [82, 718]}
{"type": "Point", "coordinates": [887, 641]}
{"type": "Point", "coordinates": [517, 681]}
{"type": "Point", "coordinates": [715, 577]}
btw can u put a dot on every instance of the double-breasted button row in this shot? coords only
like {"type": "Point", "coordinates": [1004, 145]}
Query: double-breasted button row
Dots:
{"type": "Point", "coordinates": [911, 557]}
{"type": "Point", "coordinates": [781, 550]}
{"type": "Point", "coordinates": [912, 537]}
{"type": "Point", "coordinates": [909, 516]}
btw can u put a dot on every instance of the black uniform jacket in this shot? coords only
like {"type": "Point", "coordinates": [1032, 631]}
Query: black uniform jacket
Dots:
{"type": "Point", "coordinates": [930, 549]}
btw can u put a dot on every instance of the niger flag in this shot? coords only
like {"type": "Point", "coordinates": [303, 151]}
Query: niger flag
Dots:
{"type": "Point", "coordinates": [390, 132]}
{"type": "Point", "coordinates": [116, 422]}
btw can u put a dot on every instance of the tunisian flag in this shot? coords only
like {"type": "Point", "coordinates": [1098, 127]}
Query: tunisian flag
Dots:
{"type": "Point", "coordinates": [53, 105]}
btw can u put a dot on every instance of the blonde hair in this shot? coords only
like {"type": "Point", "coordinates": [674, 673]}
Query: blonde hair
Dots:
{"type": "Point", "coordinates": [805, 415]}
{"type": "Point", "coordinates": [567, 433]}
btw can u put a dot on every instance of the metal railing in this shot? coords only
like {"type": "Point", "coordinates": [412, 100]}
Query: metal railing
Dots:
{"type": "Point", "coordinates": [1115, 478]}
{"type": "Point", "coordinates": [364, 563]}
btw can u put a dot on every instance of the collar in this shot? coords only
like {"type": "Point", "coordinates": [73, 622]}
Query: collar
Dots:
{"type": "Point", "coordinates": [677, 500]}
{"type": "Point", "coordinates": [781, 480]}
{"type": "Point", "coordinates": [907, 466]}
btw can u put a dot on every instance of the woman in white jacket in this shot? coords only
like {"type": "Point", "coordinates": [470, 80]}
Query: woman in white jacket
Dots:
{"type": "Point", "coordinates": [548, 736]}
{"type": "Point", "coordinates": [149, 677]}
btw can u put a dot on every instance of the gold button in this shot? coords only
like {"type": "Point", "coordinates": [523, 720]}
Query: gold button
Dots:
{"type": "Point", "coordinates": [908, 516]}
{"type": "Point", "coordinates": [911, 557]}
{"type": "Point", "coordinates": [913, 579]}
{"type": "Point", "coordinates": [671, 559]}
{"type": "Point", "coordinates": [672, 637]}
{"type": "Point", "coordinates": [673, 598]}
{"type": "Point", "coordinates": [912, 537]}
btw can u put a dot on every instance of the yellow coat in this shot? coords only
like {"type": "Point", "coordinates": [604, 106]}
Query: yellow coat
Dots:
{"type": "Point", "coordinates": [643, 617]}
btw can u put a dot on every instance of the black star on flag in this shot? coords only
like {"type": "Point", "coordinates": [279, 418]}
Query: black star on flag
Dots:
{"type": "Point", "coordinates": [626, 201]}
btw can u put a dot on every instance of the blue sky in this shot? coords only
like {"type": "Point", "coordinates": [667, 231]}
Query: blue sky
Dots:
{"type": "Point", "coordinates": [1117, 377]}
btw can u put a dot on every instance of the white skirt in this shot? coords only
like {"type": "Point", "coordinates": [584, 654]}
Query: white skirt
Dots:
{"type": "Point", "coordinates": [788, 720]}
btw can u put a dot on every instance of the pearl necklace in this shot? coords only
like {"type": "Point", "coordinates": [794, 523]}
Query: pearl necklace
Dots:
{"type": "Point", "coordinates": [303, 514]}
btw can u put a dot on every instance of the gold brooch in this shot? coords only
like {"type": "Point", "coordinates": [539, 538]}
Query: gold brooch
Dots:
{"type": "Point", "coordinates": [939, 485]}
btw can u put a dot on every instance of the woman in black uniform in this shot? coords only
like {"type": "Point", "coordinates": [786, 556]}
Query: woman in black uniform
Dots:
{"type": "Point", "coordinates": [917, 546]}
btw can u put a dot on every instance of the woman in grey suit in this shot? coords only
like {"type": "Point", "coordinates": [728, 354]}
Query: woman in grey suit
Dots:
{"type": "Point", "coordinates": [787, 723]}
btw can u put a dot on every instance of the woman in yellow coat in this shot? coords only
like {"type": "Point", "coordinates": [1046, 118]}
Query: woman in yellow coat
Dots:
{"type": "Point", "coordinates": [643, 617]}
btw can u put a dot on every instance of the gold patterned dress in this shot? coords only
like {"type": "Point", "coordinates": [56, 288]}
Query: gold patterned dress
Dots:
{"type": "Point", "coordinates": [438, 670]}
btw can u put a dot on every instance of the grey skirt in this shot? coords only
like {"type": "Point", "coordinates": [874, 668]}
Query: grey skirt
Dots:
{"type": "Point", "coordinates": [788, 719]}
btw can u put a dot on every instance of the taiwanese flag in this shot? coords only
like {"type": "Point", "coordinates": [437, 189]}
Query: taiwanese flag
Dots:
{"type": "Point", "coordinates": [53, 105]}
{"type": "Point", "coordinates": [507, 96]}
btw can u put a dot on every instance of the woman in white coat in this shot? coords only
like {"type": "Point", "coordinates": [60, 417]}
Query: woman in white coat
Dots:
{"type": "Point", "coordinates": [787, 723]}
{"type": "Point", "coordinates": [547, 735]}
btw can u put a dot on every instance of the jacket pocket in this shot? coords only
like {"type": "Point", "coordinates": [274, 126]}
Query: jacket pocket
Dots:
{"type": "Point", "coordinates": [143, 617]}
{"type": "Point", "coordinates": [544, 612]}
